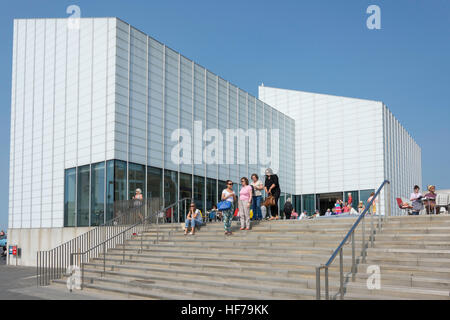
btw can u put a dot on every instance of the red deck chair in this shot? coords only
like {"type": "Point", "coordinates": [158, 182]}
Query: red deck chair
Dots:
{"type": "Point", "coordinates": [400, 205]}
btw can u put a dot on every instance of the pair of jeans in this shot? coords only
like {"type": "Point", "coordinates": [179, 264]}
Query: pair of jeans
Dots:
{"type": "Point", "coordinates": [192, 223]}
{"type": "Point", "coordinates": [227, 218]}
{"type": "Point", "coordinates": [256, 207]}
{"type": "Point", "coordinates": [244, 213]}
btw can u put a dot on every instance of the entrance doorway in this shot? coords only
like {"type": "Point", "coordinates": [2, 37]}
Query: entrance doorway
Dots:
{"type": "Point", "coordinates": [326, 201]}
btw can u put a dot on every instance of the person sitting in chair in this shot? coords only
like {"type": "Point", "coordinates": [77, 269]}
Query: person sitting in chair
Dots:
{"type": "Point", "coordinates": [193, 219]}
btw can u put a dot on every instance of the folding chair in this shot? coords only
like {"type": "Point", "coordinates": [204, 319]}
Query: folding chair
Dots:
{"type": "Point", "coordinates": [442, 200]}
{"type": "Point", "coordinates": [400, 205]}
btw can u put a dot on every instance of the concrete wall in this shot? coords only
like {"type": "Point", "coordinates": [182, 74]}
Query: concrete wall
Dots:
{"type": "Point", "coordinates": [32, 240]}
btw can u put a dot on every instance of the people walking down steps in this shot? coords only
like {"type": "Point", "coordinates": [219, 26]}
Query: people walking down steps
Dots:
{"type": "Point", "coordinates": [227, 206]}
{"type": "Point", "coordinates": [245, 199]}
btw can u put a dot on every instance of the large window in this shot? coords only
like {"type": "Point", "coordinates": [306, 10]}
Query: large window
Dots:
{"type": "Point", "coordinates": [83, 196]}
{"type": "Point", "coordinates": [120, 180]}
{"type": "Point", "coordinates": [98, 194]}
{"type": "Point", "coordinates": [136, 179]}
{"type": "Point", "coordinates": [355, 198]}
{"type": "Point", "coordinates": [170, 187]}
{"type": "Point", "coordinates": [365, 194]}
{"type": "Point", "coordinates": [154, 186]}
{"type": "Point", "coordinates": [308, 203]}
{"type": "Point", "coordinates": [222, 186]}
{"type": "Point", "coordinates": [70, 194]}
{"type": "Point", "coordinates": [185, 192]}
{"type": "Point", "coordinates": [211, 193]}
{"type": "Point", "coordinates": [199, 192]}
{"type": "Point", "coordinates": [109, 190]}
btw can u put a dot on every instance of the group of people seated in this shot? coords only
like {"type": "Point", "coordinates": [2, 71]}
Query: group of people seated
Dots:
{"type": "Point", "coordinates": [419, 201]}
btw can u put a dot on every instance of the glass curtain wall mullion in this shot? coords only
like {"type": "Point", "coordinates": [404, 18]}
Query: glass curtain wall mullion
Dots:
{"type": "Point", "coordinates": [146, 116]}
{"type": "Point", "coordinates": [220, 145]}
{"type": "Point", "coordinates": [179, 126]}
{"type": "Point", "coordinates": [163, 120]}
{"type": "Point", "coordinates": [128, 112]}
{"type": "Point", "coordinates": [204, 129]}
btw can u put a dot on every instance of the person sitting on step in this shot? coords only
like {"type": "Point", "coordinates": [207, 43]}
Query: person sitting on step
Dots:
{"type": "Point", "coordinates": [193, 219]}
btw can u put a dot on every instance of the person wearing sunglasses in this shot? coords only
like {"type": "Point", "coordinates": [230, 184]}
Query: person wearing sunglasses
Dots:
{"type": "Point", "coordinates": [228, 195]}
{"type": "Point", "coordinates": [193, 218]}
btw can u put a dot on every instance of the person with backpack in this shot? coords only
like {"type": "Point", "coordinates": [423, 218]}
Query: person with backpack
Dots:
{"type": "Point", "coordinates": [288, 208]}
{"type": "Point", "coordinates": [257, 187]}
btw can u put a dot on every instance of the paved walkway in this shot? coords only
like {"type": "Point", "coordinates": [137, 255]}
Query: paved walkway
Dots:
{"type": "Point", "coordinates": [19, 283]}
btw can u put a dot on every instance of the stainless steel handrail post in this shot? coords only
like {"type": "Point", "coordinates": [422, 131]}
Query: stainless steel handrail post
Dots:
{"type": "Point", "coordinates": [363, 251]}
{"type": "Point", "coordinates": [104, 258]}
{"type": "Point", "coordinates": [327, 288]}
{"type": "Point", "coordinates": [123, 247]}
{"type": "Point", "coordinates": [341, 274]}
{"type": "Point", "coordinates": [371, 229]}
{"type": "Point", "coordinates": [318, 283]}
{"type": "Point", "coordinates": [353, 257]}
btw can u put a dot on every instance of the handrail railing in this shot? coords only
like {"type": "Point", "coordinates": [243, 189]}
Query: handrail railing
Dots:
{"type": "Point", "coordinates": [52, 264]}
{"type": "Point", "coordinates": [351, 233]}
{"type": "Point", "coordinates": [139, 227]}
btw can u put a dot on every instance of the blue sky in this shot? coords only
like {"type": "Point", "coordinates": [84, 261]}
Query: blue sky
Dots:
{"type": "Point", "coordinates": [319, 46]}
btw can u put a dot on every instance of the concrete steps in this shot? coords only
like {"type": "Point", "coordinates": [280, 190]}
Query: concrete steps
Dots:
{"type": "Point", "coordinates": [275, 260]}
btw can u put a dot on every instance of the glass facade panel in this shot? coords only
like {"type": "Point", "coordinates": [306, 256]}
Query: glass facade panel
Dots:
{"type": "Point", "coordinates": [98, 194]}
{"type": "Point", "coordinates": [211, 192]}
{"type": "Point", "coordinates": [154, 185]}
{"type": "Point", "coordinates": [83, 196]}
{"type": "Point", "coordinates": [355, 198]}
{"type": "Point", "coordinates": [185, 192]}
{"type": "Point", "coordinates": [297, 203]}
{"type": "Point", "coordinates": [199, 192]}
{"type": "Point", "coordinates": [109, 190]}
{"type": "Point", "coordinates": [365, 194]}
{"type": "Point", "coordinates": [308, 203]}
{"type": "Point", "coordinates": [222, 186]}
{"type": "Point", "coordinates": [70, 194]}
{"type": "Point", "coordinates": [120, 180]}
{"type": "Point", "coordinates": [170, 187]}
{"type": "Point", "coordinates": [136, 179]}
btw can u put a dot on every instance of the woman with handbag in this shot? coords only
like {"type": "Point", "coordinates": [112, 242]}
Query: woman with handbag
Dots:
{"type": "Point", "coordinates": [227, 206]}
{"type": "Point", "coordinates": [272, 188]}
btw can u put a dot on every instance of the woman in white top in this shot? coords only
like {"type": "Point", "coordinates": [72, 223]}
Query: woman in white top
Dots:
{"type": "Point", "coordinates": [258, 186]}
{"type": "Point", "coordinates": [228, 195]}
{"type": "Point", "coordinates": [416, 198]}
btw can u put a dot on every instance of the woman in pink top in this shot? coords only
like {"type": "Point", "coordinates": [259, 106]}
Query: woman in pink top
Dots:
{"type": "Point", "coordinates": [245, 199]}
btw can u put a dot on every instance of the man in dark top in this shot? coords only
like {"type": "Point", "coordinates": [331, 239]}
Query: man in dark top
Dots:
{"type": "Point", "coordinates": [288, 208]}
{"type": "Point", "coordinates": [272, 187]}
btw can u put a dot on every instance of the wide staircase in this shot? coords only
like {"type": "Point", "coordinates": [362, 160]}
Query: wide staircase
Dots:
{"type": "Point", "coordinates": [274, 260]}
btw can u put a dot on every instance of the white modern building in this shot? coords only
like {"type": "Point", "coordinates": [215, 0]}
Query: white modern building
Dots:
{"type": "Point", "coordinates": [346, 145]}
{"type": "Point", "coordinates": [95, 104]}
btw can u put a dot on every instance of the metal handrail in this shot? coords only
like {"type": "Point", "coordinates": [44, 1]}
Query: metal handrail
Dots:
{"type": "Point", "coordinates": [52, 264]}
{"type": "Point", "coordinates": [351, 233]}
{"type": "Point", "coordinates": [84, 256]}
